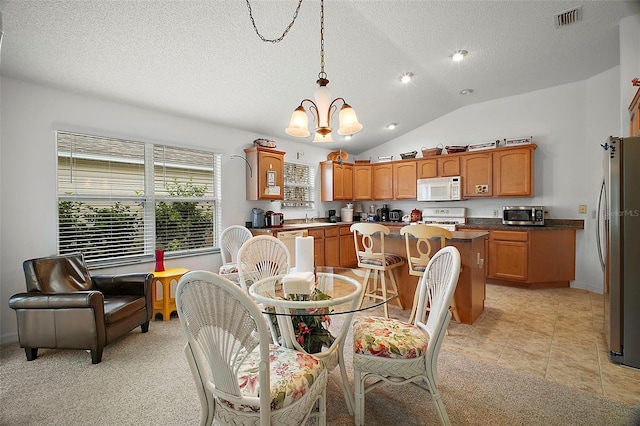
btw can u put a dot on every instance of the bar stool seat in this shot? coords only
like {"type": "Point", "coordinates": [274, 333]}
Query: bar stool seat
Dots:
{"type": "Point", "coordinates": [422, 245]}
{"type": "Point", "coordinates": [373, 258]}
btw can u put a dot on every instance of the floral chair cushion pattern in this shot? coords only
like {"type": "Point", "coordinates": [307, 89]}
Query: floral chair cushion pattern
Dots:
{"type": "Point", "coordinates": [388, 338]}
{"type": "Point", "coordinates": [284, 363]}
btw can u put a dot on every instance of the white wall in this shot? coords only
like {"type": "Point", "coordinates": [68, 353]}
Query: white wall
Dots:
{"type": "Point", "coordinates": [568, 123]}
{"type": "Point", "coordinates": [31, 113]}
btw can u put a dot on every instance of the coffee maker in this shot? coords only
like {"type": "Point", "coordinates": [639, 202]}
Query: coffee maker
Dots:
{"type": "Point", "coordinates": [332, 216]}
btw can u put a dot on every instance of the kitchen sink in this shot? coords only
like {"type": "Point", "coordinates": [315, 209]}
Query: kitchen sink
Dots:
{"type": "Point", "coordinates": [308, 225]}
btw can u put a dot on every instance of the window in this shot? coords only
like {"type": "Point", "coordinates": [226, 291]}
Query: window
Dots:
{"type": "Point", "coordinates": [119, 200]}
{"type": "Point", "coordinates": [298, 185]}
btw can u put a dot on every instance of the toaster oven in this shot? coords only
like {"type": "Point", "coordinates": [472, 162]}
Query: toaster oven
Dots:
{"type": "Point", "coordinates": [523, 215]}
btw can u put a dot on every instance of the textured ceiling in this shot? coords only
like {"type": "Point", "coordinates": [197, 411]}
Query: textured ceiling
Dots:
{"type": "Point", "coordinates": [202, 58]}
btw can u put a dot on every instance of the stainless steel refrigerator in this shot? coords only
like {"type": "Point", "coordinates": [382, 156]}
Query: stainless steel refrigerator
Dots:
{"type": "Point", "coordinates": [618, 236]}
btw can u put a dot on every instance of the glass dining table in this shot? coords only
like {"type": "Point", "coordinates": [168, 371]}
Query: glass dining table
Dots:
{"type": "Point", "coordinates": [318, 320]}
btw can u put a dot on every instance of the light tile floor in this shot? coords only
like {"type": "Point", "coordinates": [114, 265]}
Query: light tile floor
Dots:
{"type": "Point", "coordinates": [555, 334]}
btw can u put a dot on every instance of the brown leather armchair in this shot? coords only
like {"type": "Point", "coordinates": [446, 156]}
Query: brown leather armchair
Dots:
{"type": "Point", "coordinates": [65, 307]}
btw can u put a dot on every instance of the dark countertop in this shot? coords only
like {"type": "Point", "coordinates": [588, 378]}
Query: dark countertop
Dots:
{"type": "Point", "coordinates": [473, 224]}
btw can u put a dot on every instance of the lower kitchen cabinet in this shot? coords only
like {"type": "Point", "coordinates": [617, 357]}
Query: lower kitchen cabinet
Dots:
{"type": "Point", "coordinates": [531, 258]}
{"type": "Point", "coordinates": [332, 246]}
{"type": "Point", "coordinates": [318, 246]}
{"type": "Point", "coordinates": [348, 257]}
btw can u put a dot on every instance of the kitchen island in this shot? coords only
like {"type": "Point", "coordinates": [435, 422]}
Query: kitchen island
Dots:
{"type": "Point", "coordinates": [470, 292]}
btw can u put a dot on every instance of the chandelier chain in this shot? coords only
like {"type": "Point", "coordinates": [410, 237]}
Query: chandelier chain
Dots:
{"type": "Point", "coordinates": [322, 74]}
{"type": "Point", "coordinates": [286, 30]}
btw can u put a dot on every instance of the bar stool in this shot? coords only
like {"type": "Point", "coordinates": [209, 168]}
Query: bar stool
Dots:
{"type": "Point", "coordinates": [376, 261]}
{"type": "Point", "coordinates": [417, 265]}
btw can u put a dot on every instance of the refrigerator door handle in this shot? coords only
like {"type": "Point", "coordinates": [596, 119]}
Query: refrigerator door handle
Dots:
{"type": "Point", "coordinates": [602, 198]}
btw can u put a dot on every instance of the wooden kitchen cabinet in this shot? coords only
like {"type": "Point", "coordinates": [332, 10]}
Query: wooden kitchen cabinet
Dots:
{"type": "Point", "coordinates": [404, 180]}
{"type": "Point", "coordinates": [427, 168]}
{"type": "Point", "coordinates": [382, 181]}
{"type": "Point", "coordinates": [348, 257]}
{"type": "Point", "coordinates": [513, 171]}
{"type": "Point", "coordinates": [336, 181]}
{"type": "Point", "coordinates": [477, 175]}
{"type": "Point", "coordinates": [265, 174]}
{"type": "Point", "coordinates": [634, 115]}
{"type": "Point", "coordinates": [318, 246]}
{"type": "Point", "coordinates": [448, 166]}
{"type": "Point", "coordinates": [332, 246]}
{"type": "Point", "coordinates": [362, 182]}
{"type": "Point", "coordinates": [531, 258]}
{"type": "Point", "coordinates": [439, 166]}
{"type": "Point", "coordinates": [508, 255]}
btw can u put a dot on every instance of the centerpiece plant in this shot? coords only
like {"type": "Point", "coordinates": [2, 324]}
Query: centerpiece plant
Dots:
{"type": "Point", "coordinates": [311, 326]}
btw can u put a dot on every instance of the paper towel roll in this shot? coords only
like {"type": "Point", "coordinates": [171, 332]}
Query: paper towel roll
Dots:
{"type": "Point", "coordinates": [304, 254]}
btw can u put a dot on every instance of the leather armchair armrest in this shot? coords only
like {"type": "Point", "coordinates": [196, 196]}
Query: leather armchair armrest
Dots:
{"type": "Point", "coordinates": [137, 284]}
{"type": "Point", "coordinates": [79, 299]}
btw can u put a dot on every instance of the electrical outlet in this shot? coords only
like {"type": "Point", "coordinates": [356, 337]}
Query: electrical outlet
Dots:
{"type": "Point", "coordinates": [495, 213]}
{"type": "Point", "coordinates": [582, 209]}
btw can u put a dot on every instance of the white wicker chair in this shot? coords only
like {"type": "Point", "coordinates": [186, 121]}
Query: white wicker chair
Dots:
{"type": "Point", "coordinates": [261, 257]}
{"type": "Point", "coordinates": [399, 353]}
{"type": "Point", "coordinates": [231, 240]}
{"type": "Point", "coordinates": [422, 244]}
{"type": "Point", "coordinates": [233, 363]}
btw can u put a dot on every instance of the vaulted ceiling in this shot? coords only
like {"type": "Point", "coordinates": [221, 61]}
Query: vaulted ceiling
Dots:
{"type": "Point", "coordinates": [203, 59]}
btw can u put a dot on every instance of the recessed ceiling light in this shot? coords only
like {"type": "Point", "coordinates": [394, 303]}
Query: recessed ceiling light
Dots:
{"type": "Point", "coordinates": [459, 55]}
{"type": "Point", "coordinates": [348, 137]}
{"type": "Point", "coordinates": [466, 91]}
{"type": "Point", "coordinates": [406, 77]}
{"type": "Point", "coordinates": [392, 126]}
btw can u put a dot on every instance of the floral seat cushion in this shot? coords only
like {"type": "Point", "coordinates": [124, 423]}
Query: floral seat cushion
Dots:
{"type": "Point", "coordinates": [292, 375]}
{"type": "Point", "coordinates": [389, 259]}
{"type": "Point", "coordinates": [228, 268]}
{"type": "Point", "coordinates": [388, 338]}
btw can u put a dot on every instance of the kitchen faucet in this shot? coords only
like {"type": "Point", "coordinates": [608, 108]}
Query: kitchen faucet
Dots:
{"type": "Point", "coordinates": [307, 219]}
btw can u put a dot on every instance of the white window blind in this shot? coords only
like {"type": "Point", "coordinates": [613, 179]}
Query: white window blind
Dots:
{"type": "Point", "coordinates": [299, 185]}
{"type": "Point", "coordinates": [119, 200]}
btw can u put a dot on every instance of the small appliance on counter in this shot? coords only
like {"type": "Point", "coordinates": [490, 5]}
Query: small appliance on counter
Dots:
{"type": "Point", "coordinates": [384, 213]}
{"type": "Point", "coordinates": [346, 214]}
{"type": "Point", "coordinates": [332, 216]}
{"type": "Point", "coordinates": [257, 218]}
{"type": "Point", "coordinates": [395, 215]}
{"type": "Point", "coordinates": [274, 220]}
{"type": "Point", "coordinates": [415, 215]}
{"type": "Point", "coordinates": [523, 215]}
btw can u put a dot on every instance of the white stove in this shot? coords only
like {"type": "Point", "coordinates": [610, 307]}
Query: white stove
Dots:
{"type": "Point", "coordinates": [445, 217]}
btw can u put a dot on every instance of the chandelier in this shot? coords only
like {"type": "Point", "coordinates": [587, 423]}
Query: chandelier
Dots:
{"type": "Point", "coordinates": [323, 108]}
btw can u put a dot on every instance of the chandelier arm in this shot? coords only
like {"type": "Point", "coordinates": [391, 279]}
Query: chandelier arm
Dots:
{"type": "Point", "coordinates": [313, 108]}
{"type": "Point", "coordinates": [274, 40]}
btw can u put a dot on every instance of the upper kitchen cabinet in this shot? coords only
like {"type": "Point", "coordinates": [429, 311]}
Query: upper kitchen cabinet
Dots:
{"type": "Point", "coordinates": [382, 181]}
{"type": "Point", "coordinates": [634, 115]}
{"type": "Point", "coordinates": [265, 174]}
{"type": "Point", "coordinates": [440, 166]}
{"type": "Point", "coordinates": [336, 181]}
{"type": "Point", "coordinates": [513, 171]}
{"type": "Point", "coordinates": [404, 180]}
{"type": "Point", "coordinates": [477, 174]}
{"type": "Point", "coordinates": [362, 189]}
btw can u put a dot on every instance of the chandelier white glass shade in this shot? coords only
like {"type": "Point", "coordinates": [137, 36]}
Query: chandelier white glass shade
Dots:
{"type": "Point", "coordinates": [323, 108]}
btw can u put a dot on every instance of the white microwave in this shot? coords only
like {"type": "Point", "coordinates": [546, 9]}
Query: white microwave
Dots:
{"type": "Point", "coordinates": [440, 189]}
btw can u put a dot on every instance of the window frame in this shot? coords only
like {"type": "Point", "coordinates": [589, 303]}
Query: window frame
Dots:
{"type": "Point", "coordinates": [149, 199]}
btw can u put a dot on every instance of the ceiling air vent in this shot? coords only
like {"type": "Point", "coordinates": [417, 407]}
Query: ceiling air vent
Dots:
{"type": "Point", "coordinates": [569, 17]}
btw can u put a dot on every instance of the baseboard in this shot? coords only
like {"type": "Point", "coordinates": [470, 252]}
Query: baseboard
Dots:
{"type": "Point", "coordinates": [9, 338]}
{"type": "Point", "coordinates": [588, 287]}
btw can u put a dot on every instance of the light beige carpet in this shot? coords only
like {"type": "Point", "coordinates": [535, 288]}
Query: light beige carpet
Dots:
{"type": "Point", "coordinates": [145, 379]}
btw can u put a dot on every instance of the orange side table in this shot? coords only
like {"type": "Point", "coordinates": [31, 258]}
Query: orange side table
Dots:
{"type": "Point", "coordinates": [167, 304]}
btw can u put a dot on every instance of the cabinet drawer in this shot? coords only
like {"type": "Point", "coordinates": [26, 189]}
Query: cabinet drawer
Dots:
{"type": "Point", "coordinates": [331, 232]}
{"type": "Point", "coordinates": [345, 230]}
{"type": "Point", "coordinates": [316, 233]}
{"type": "Point", "coordinates": [510, 235]}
